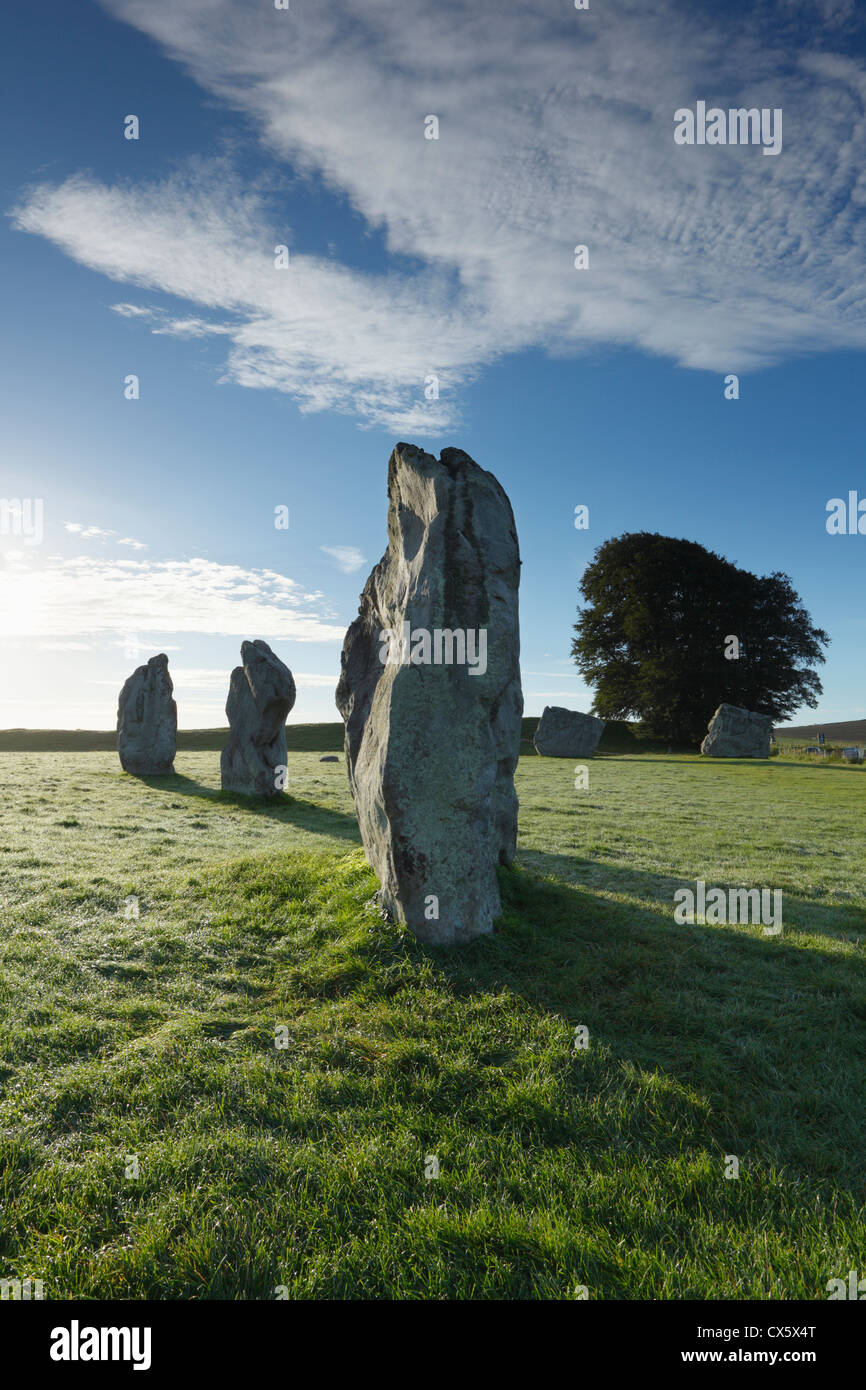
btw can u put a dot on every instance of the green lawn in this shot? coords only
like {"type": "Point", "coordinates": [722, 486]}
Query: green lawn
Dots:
{"type": "Point", "coordinates": [152, 1040]}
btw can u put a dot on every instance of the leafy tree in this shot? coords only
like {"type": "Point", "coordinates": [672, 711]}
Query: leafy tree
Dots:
{"type": "Point", "coordinates": [653, 633]}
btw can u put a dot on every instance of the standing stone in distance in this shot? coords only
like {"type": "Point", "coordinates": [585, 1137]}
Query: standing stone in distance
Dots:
{"type": "Point", "coordinates": [566, 733]}
{"type": "Point", "coordinates": [147, 721]}
{"type": "Point", "coordinates": [738, 733]}
{"type": "Point", "coordinates": [261, 694]}
{"type": "Point", "coordinates": [433, 713]}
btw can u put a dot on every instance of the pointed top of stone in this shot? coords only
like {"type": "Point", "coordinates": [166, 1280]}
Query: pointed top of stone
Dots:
{"type": "Point", "coordinates": [433, 732]}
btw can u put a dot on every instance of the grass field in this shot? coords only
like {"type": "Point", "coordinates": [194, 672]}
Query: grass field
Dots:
{"type": "Point", "coordinates": [147, 1045]}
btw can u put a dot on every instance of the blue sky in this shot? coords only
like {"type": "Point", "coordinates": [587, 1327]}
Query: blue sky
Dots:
{"type": "Point", "coordinates": [411, 257]}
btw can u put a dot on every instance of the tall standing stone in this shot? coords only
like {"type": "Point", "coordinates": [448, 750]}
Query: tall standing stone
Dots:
{"type": "Point", "coordinates": [147, 721]}
{"type": "Point", "coordinates": [261, 694]}
{"type": "Point", "coordinates": [431, 698]}
{"type": "Point", "coordinates": [737, 733]}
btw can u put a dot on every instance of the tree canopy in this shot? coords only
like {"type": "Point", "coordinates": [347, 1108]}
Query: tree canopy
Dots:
{"type": "Point", "coordinates": [656, 624]}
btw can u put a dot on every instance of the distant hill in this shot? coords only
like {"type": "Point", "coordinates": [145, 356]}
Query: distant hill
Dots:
{"type": "Point", "coordinates": [301, 738]}
{"type": "Point", "coordinates": [618, 737]}
{"type": "Point", "coordinates": [849, 731]}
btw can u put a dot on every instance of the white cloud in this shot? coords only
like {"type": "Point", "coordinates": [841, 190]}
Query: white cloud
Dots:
{"type": "Point", "coordinates": [131, 311]}
{"type": "Point", "coordinates": [96, 533]}
{"type": "Point", "coordinates": [348, 557]}
{"type": "Point", "coordinates": [834, 12]}
{"type": "Point", "coordinates": [133, 647]}
{"type": "Point", "coordinates": [217, 678]}
{"type": "Point", "coordinates": [556, 128]}
{"type": "Point", "coordinates": [87, 596]}
{"type": "Point", "coordinates": [190, 328]}
{"type": "Point", "coordinates": [87, 533]}
{"type": "Point", "coordinates": [200, 678]}
{"type": "Point", "coordinates": [65, 646]}
{"type": "Point", "coordinates": [306, 680]}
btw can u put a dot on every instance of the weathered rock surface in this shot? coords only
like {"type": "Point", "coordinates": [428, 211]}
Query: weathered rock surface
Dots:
{"type": "Point", "coordinates": [738, 733]}
{"type": "Point", "coordinates": [261, 694]}
{"type": "Point", "coordinates": [432, 741]}
{"type": "Point", "coordinates": [147, 721]}
{"type": "Point", "coordinates": [566, 733]}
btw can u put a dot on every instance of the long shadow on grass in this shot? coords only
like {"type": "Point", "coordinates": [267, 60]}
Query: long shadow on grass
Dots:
{"type": "Point", "coordinates": [789, 765]}
{"type": "Point", "coordinates": [837, 919]}
{"type": "Point", "coordinates": [763, 1042]}
{"type": "Point", "coordinates": [290, 810]}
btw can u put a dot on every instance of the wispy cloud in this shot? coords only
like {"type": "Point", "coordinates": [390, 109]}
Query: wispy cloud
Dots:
{"type": "Point", "coordinates": [348, 557]}
{"type": "Point", "coordinates": [88, 596]}
{"type": "Point", "coordinates": [200, 678]}
{"type": "Point", "coordinates": [310, 680]}
{"type": "Point", "coordinates": [168, 324]}
{"type": "Point", "coordinates": [65, 646]}
{"type": "Point", "coordinates": [217, 678]}
{"type": "Point", "coordinates": [97, 533]}
{"type": "Point", "coordinates": [87, 533]}
{"type": "Point", "coordinates": [132, 311]}
{"type": "Point", "coordinates": [556, 129]}
{"type": "Point", "coordinates": [833, 12]}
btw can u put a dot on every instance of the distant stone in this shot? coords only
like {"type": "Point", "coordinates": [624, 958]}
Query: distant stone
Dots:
{"type": "Point", "coordinates": [430, 694]}
{"type": "Point", "coordinates": [566, 733]}
{"type": "Point", "coordinates": [147, 721]}
{"type": "Point", "coordinates": [261, 694]}
{"type": "Point", "coordinates": [737, 733]}
{"type": "Point", "coordinates": [329, 759]}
